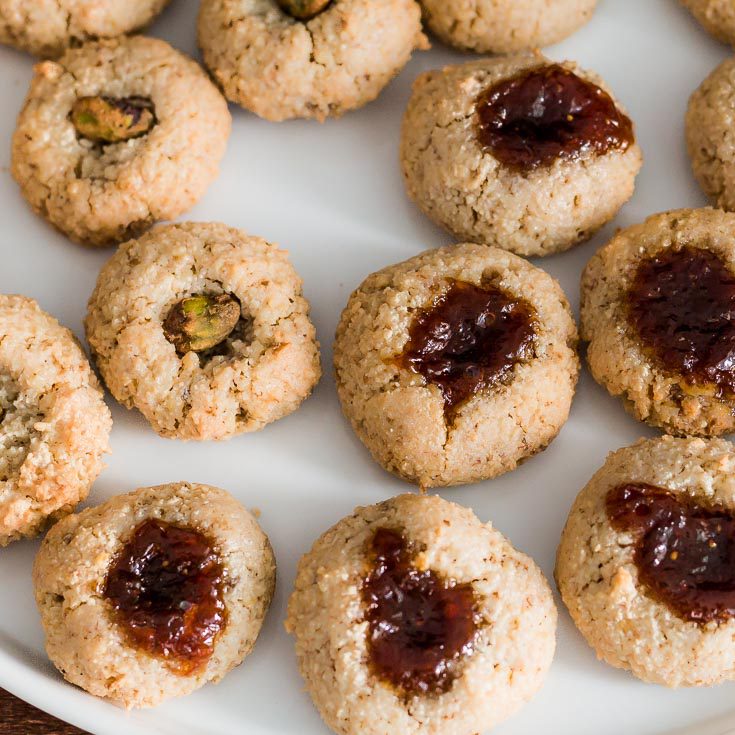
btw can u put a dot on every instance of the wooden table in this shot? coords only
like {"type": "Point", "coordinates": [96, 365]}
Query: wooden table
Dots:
{"type": "Point", "coordinates": [19, 718]}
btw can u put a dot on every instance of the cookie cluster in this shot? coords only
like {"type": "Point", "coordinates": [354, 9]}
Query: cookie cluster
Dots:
{"type": "Point", "coordinates": [452, 367]}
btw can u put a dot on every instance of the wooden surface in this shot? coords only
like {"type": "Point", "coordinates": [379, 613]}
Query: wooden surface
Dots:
{"type": "Point", "coordinates": [19, 718]}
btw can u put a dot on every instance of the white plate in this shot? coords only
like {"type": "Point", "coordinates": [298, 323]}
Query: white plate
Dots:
{"type": "Point", "coordinates": [332, 194]}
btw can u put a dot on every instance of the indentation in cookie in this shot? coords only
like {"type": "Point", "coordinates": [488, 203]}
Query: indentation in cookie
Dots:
{"type": "Point", "coordinates": [421, 626]}
{"type": "Point", "coordinates": [684, 552]}
{"type": "Point", "coordinates": [549, 113]}
{"type": "Point", "coordinates": [468, 340]}
{"type": "Point", "coordinates": [166, 586]}
{"type": "Point", "coordinates": [682, 304]}
{"type": "Point", "coordinates": [17, 421]}
{"type": "Point", "coordinates": [104, 119]}
{"type": "Point", "coordinates": [304, 9]}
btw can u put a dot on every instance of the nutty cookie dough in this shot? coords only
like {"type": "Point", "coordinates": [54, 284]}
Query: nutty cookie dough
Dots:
{"type": "Point", "coordinates": [710, 135]}
{"type": "Point", "coordinates": [717, 16]}
{"type": "Point", "coordinates": [54, 424]}
{"type": "Point", "coordinates": [154, 593]}
{"type": "Point", "coordinates": [503, 26]}
{"type": "Point", "coordinates": [47, 27]}
{"type": "Point", "coordinates": [307, 58]}
{"type": "Point", "coordinates": [204, 330]}
{"type": "Point", "coordinates": [518, 152]}
{"type": "Point", "coordinates": [465, 644]}
{"type": "Point", "coordinates": [116, 135]}
{"type": "Point", "coordinates": [647, 558]}
{"type": "Point", "coordinates": [457, 364]}
{"type": "Point", "coordinates": [656, 305]}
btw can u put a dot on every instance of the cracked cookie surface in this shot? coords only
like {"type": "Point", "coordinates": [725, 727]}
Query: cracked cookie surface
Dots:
{"type": "Point", "coordinates": [600, 580]}
{"type": "Point", "coordinates": [710, 136]}
{"type": "Point", "coordinates": [651, 389]}
{"type": "Point", "coordinates": [47, 27]}
{"type": "Point", "coordinates": [401, 417]}
{"type": "Point", "coordinates": [259, 371]}
{"type": "Point", "coordinates": [515, 621]}
{"type": "Point", "coordinates": [280, 67]}
{"type": "Point", "coordinates": [504, 26]}
{"type": "Point", "coordinates": [86, 639]}
{"type": "Point", "coordinates": [463, 187]}
{"type": "Point", "coordinates": [99, 192]}
{"type": "Point", "coordinates": [54, 424]}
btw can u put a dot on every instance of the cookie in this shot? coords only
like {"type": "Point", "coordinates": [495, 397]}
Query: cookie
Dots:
{"type": "Point", "coordinates": [717, 16]}
{"type": "Point", "coordinates": [307, 58]}
{"type": "Point", "coordinates": [646, 560]}
{"type": "Point", "coordinates": [154, 593]}
{"type": "Point", "coordinates": [518, 152]}
{"type": "Point", "coordinates": [47, 27]}
{"type": "Point", "coordinates": [710, 138]}
{"type": "Point", "coordinates": [504, 26]}
{"type": "Point", "coordinates": [656, 309]}
{"type": "Point", "coordinates": [457, 364]}
{"type": "Point", "coordinates": [54, 424]}
{"type": "Point", "coordinates": [411, 616]}
{"type": "Point", "coordinates": [204, 330]}
{"type": "Point", "coordinates": [116, 135]}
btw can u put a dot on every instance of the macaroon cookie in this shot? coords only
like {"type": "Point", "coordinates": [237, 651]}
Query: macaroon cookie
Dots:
{"type": "Point", "coordinates": [412, 616]}
{"type": "Point", "coordinates": [716, 16]}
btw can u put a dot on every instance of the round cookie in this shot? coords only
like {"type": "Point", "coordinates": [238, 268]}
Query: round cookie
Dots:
{"type": "Point", "coordinates": [204, 330]}
{"type": "Point", "coordinates": [47, 27]}
{"type": "Point", "coordinates": [717, 16]}
{"type": "Point", "coordinates": [457, 364]}
{"type": "Point", "coordinates": [54, 424]}
{"type": "Point", "coordinates": [709, 134]}
{"type": "Point", "coordinates": [116, 135]}
{"type": "Point", "coordinates": [655, 308]}
{"type": "Point", "coordinates": [483, 653]}
{"type": "Point", "coordinates": [323, 65]}
{"type": "Point", "coordinates": [504, 26]}
{"type": "Point", "coordinates": [645, 564]}
{"type": "Point", "coordinates": [111, 583]}
{"type": "Point", "coordinates": [518, 152]}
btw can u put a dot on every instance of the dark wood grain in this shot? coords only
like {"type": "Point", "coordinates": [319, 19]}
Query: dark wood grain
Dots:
{"type": "Point", "coordinates": [19, 718]}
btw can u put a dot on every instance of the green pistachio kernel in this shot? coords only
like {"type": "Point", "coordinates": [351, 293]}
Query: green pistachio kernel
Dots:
{"type": "Point", "coordinates": [303, 9]}
{"type": "Point", "coordinates": [201, 322]}
{"type": "Point", "coordinates": [112, 119]}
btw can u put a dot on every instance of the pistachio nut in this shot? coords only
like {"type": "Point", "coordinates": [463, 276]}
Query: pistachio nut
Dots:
{"type": "Point", "coordinates": [303, 9]}
{"type": "Point", "coordinates": [201, 322]}
{"type": "Point", "coordinates": [112, 119]}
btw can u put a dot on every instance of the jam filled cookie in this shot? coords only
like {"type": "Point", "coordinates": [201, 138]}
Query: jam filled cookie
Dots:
{"type": "Point", "coordinates": [412, 616]}
{"type": "Point", "coordinates": [717, 16]}
{"type": "Point", "coordinates": [204, 330]}
{"type": "Point", "coordinates": [284, 59]}
{"type": "Point", "coordinates": [117, 135]}
{"type": "Point", "coordinates": [646, 564]}
{"type": "Point", "coordinates": [711, 137]}
{"type": "Point", "coordinates": [457, 364]}
{"type": "Point", "coordinates": [54, 424]}
{"type": "Point", "coordinates": [518, 152]}
{"type": "Point", "coordinates": [502, 26]}
{"type": "Point", "coordinates": [154, 593]}
{"type": "Point", "coordinates": [657, 305]}
{"type": "Point", "coordinates": [47, 27]}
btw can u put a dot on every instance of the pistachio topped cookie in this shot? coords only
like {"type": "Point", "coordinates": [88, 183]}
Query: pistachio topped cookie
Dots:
{"type": "Point", "coordinates": [47, 27]}
{"type": "Point", "coordinates": [657, 305]}
{"type": "Point", "coordinates": [646, 563]}
{"type": "Point", "coordinates": [117, 135]}
{"type": "Point", "coordinates": [518, 152]}
{"type": "Point", "coordinates": [54, 424]}
{"type": "Point", "coordinates": [286, 59]}
{"type": "Point", "coordinates": [457, 364]}
{"type": "Point", "coordinates": [503, 26]}
{"type": "Point", "coordinates": [154, 593]}
{"type": "Point", "coordinates": [203, 329]}
{"type": "Point", "coordinates": [413, 617]}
